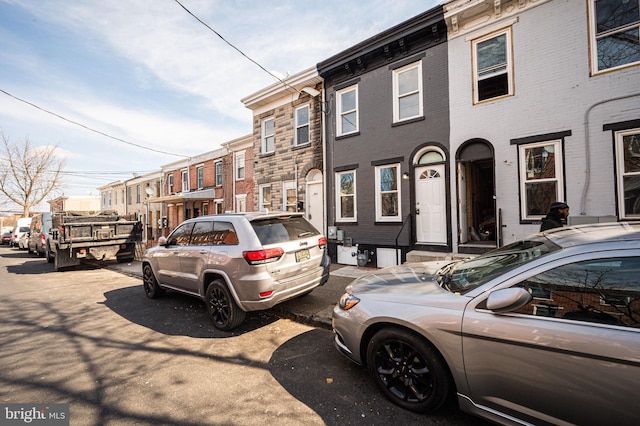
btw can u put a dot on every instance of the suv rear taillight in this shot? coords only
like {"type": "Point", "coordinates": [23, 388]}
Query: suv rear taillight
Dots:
{"type": "Point", "coordinates": [322, 242]}
{"type": "Point", "coordinates": [258, 257]}
{"type": "Point", "coordinates": [43, 238]}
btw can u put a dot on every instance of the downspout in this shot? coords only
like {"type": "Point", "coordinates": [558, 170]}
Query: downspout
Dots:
{"type": "Point", "coordinates": [324, 161]}
{"type": "Point", "coordinates": [587, 144]}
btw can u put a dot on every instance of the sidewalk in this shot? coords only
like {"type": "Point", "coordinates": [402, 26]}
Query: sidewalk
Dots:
{"type": "Point", "coordinates": [314, 309]}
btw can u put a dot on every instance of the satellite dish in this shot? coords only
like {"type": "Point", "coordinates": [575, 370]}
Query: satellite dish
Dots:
{"type": "Point", "coordinates": [150, 191]}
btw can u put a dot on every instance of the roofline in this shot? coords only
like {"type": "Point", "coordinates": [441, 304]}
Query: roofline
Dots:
{"type": "Point", "coordinates": [293, 83]}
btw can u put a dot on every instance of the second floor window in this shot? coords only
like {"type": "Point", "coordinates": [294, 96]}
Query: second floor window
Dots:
{"type": "Point", "coordinates": [240, 165]}
{"type": "Point", "coordinates": [347, 117]}
{"type": "Point", "coordinates": [302, 125]}
{"type": "Point", "coordinates": [138, 194]}
{"type": "Point", "coordinates": [218, 173]}
{"type": "Point", "coordinates": [200, 176]}
{"type": "Point", "coordinates": [170, 184]}
{"type": "Point", "coordinates": [615, 33]}
{"type": "Point", "coordinates": [407, 92]}
{"type": "Point", "coordinates": [493, 76]}
{"type": "Point", "coordinates": [185, 181]}
{"type": "Point", "coordinates": [129, 196]}
{"type": "Point", "coordinates": [268, 136]}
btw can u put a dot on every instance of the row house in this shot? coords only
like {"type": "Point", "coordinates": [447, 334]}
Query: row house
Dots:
{"type": "Point", "coordinates": [112, 197]}
{"type": "Point", "coordinates": [287, 146]}
{"type": "Point", "coordinates": [387, 143]}
{"type": "Point", "coordinates": [214, 182]}
{"type": "Point", "coordinates": [544, 106]}
{"type": "Point", "coordinates": [455, 130]}
{"type": "Point", "coordinates": [140, 195]}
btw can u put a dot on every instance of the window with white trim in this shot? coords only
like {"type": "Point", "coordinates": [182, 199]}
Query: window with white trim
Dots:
{"type": "Point", "coordinates": [240, 161]}
{"type": "Point", "coordinates": [289, 196]}
{"type": "Point", "coordinates": [268, 136]}
{"type": "Point", "coordinates": [407, 92]}
{"type": "Point", "coordinates": [218, 171]}
{"type": "Point", "coordinates": [346, 196]}
{"type": "Point", "coordinates": [541, 177]}
{"type": "Point", "coordinates": [170, 184]}
{"type": "Point", "coordinates": [138, 194]}
{"type": "Point", "coordinates": [241, 203]}
{"type": "Point", "coordinates": [185, 181]}
{"type": "Point", "coordinates": [493, 66]}
{"type": "Point", "coordinates": [302, 125]}
{"type": "Point", "coordinates": [614, 33]}
{"type": "Point", "coordinates": [264, 193]}
{"type": "Point", "coordinates": [219, 203]}
{"type": "Point", "coordinates": [388, 193]}
{"type": "Point", "coordinates": [628, 170]}
{"type": "Point", "coordinates": [200, 176]}
{"type": "Point", "coordinates": [347, 107]}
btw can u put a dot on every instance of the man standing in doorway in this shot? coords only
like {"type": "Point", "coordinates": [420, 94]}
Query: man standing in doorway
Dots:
{"type": "Point", "coordinates": [558, 214]}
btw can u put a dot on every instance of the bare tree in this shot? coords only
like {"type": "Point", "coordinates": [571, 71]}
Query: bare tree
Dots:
{"type": "Point", "coordinates": [27, 173]}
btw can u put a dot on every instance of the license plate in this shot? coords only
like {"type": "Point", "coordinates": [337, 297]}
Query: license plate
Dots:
{"type": "Point", "coordinates": [302, 255]}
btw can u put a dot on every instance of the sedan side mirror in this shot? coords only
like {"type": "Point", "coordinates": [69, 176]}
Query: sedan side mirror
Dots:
{"type": "Point", "coordinates": [508, 299]}
{"type": "Point", "coordinates": [162, 241]}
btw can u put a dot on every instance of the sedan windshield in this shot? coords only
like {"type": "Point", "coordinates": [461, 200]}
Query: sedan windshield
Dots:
{"type": "Point", "coordinates": [465, 275]}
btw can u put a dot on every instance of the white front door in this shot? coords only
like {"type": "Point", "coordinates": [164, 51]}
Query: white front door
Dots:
{"type": "Point", "coordinates": [315, 203]}
{"type": "Point", "coordinates": [431, 212]}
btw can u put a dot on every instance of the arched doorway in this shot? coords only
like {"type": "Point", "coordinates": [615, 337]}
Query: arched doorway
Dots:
{"type": "Point", "coordinates": [314, 210]}
{"type": "Point", "coordinates": [476, 194]}
{"type": "Point", "coordinates": [430, 196]}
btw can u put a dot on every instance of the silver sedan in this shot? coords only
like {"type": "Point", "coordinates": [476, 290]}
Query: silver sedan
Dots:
{"type": "Point", "coordinates": [544, 330]}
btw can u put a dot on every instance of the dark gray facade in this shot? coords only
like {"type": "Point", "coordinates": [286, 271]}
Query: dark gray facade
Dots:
{"type": "Point", "coordinates": [382, 137]}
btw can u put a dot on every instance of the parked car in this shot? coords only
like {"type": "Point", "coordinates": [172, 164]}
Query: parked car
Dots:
{"type": "Point", "coordinates": [23, 242]}
{"type": "Point", "coordinates": [543, 330]}
{"type": "Point", "coordinates": [238, 262]}
{"type": "Point", "coordinates": [39, 234]}
{"type": "Point", "coordinates": [6, 237]}
{"type": "Point", "coordinates": [22, 227]}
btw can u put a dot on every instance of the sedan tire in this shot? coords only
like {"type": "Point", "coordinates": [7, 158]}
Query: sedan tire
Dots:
{"type": "Point", "coordinates": [408, 370]}
{"type": "Point", "coordinates": [223, 311]}
{"type": "Point", "coordinates": [151, 287]}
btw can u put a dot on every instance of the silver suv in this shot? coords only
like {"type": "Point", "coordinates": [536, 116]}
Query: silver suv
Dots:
{"type": "Point", "coordinates": [238, 262]}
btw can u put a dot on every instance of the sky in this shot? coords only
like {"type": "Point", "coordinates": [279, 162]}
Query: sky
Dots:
{"type": "Point", "coordinates": [159, 84]}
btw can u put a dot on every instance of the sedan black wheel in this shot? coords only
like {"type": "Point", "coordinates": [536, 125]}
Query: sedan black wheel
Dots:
{"type": "Point", "coordinates": [408, 370]}
{"type": "Point", "coordinates": [223, 311]}
{"type": "Point", "coordinates": [151, 287]}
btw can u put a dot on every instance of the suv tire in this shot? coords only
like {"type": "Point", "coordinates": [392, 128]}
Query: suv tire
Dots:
{"type": "Point", "coordinates": [151, 287]}
{"type": "Point", "coordinates": [223, 311]}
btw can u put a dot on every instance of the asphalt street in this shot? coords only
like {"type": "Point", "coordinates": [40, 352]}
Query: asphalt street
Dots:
{"type": "Point", "coordinates": [88, 337]}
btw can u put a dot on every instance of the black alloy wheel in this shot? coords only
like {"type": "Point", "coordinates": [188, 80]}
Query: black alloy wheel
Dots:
{"type": "Point", "coordinates": [408, 370]}
{"type": "Point", "coordinates": [151, 287]}
{"type": "Point", "coordinates": [223, 311]}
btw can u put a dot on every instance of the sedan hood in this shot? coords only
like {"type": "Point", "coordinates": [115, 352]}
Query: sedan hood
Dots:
{"type": "Point", "coordinates": [406, 279]}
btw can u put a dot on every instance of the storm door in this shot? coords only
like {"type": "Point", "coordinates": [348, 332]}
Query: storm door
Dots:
{"type": "Point", "coordinates": [430, 196]}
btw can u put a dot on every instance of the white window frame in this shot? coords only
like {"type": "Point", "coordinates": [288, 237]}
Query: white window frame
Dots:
{"type": "Point", "coordinates": [621, 174]}
{"type": "Point", "coordinates": [286, 187]}
{"type": "Point", "coordinates": [594, 38]}
{"type": "Point", "coordinates": [219, 205]}
{"type": "Point", "coordinates": [241, 203]}
{"type": "Point", "coordinates": [397, 96]}
{"type": "Point", "coordinates": [138, 194]}
{"type": "Point", "coordinates": [218, 172]}
{"type": "Point", "coordinates": [185, 180]}
{"type": "Point", "coordinates": [300, 125]}
{"type": "Point", "coordinates": [559, 176]}
{"type": "Point", "coordinates": [200, 176]}
{"type": "Point", "coordinates": [240, 165]}
{"type": "Point", "coordinates": [507, 32]}
{"type": "Point", "coordinates": [379, 193]}
{"type": "Point", "coordinates": [268, 138]}
{"type": "Point", "coordinates": [170, 183]}
{"type": "Point", "coordinates": [264, 205]}
{"type": "Point", "coordinates": [341, 113]}
{"type": "Point", "coordinates": [339, 214]}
